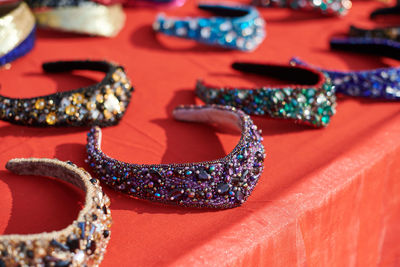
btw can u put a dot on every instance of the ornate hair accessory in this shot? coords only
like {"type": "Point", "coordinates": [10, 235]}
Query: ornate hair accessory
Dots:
{"type": "Point", "coordinates": [310, 100]}
{"type": "Point", "coordinates": [147, 3]}
{"type": "Point", "coordinates": [326, 7]}
{"type": "Point", "coordinates": [17, 31]}
{"type": "Point", "coordinates": [102, 104]}
{"type": "Point", "coordinates": [374, 46]}
{"type": "Point", "coordinates": [235, 27]}
{"type": "Point", "coordinates": [391, 33]}
{"type": "Point", "coordinates": [378, 83]}
{"type": "Point", "coordinates": [155, 3]}
{"type": "Point", "coordinates": [83, 243]}
{"type": "Point", "coordinates": [86, 18]}
{"type": "Point", "coordinates": [222, 183]}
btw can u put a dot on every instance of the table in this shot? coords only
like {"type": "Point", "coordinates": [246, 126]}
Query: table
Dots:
{"type": "Point", "coordinates": [328, 197]}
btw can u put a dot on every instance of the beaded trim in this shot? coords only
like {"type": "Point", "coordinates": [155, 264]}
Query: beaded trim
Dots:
{"type": "Point", "coordinates": [102, 104]}
{"type": "Point", "coordinates": [310, 101]}
{"type": "Point", "coordinates": [17, 31]}
{"type": "Point", "coordinates": [378, 83]}
{"type": "Point", "coordinates": [222, 183]}
{"type": "Point", "coordinates": [83, 243]}
{"type": "Point", "coordinates": [236, 27]}
{"type": "Point", "coordinates": [325, 7]}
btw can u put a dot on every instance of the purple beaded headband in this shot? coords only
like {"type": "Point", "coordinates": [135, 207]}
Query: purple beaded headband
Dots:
{"type": "Point", "coordinates": [82, 243]}
{"type": "Point", "coordinates": [222, 183]}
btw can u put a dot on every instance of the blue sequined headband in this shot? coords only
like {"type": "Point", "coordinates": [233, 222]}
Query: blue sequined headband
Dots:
{"type": "Point", "coordinates": [234, 27]}
{"type": "Point", "coordinates": [378, 83]}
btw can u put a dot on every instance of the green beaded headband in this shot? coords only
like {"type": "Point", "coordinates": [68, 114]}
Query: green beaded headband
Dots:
{"type": "Point", "coordinates": [310, 99]}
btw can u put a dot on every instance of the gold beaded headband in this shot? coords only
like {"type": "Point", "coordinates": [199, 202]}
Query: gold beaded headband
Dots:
{"type": "Point", "coordinates": [82, 243]}
{"type": "Point", "coordinates": [101, 104]}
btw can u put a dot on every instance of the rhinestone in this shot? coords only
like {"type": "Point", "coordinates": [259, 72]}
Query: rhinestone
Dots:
{"type": "Point", "coordinates": [40, 104]}
{"type": "Point", "coordinates": [51, 118]}
{"type": "Point", "coordinates": [71, 110]}
{"type": "Point", "coordinates": [78, 98]}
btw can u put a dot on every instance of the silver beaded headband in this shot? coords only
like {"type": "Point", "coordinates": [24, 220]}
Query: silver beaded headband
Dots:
{"type": "Point", "coordinates": [82, 243]}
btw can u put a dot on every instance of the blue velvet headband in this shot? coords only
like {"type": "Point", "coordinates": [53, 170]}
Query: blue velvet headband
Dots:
{"type": "Point", "coordinates": [234, 27]}
{"type": "Point", "coordinates": [17, 27]}
{"type": "Point", "coordinates": [378, 83]}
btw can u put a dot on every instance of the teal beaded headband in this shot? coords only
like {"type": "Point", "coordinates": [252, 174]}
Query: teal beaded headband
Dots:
{"type": "Point", "coordinates": [309, 100]}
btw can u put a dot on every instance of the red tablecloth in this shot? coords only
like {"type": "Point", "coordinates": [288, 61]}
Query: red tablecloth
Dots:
{"type": "Point", "coordinates": [328, 197]}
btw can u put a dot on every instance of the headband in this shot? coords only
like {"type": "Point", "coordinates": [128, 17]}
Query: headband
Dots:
{"type": "Point", "coordinates": [17, 32]}
{"type": "Point", "coordinates": [222, 183]}
{"type": "Point", "coordinates": [394, 10]}
{"type": "Point", "coordinates": [391, 33]}
{"type": "Point", "coordinates": [63, 3]}
{"type": "Point", "coordinates": [310, 100]}
{"type": "Point", "coordinates": [102, 104]}
{"type": "Point", "coordinates": [86, 18]}
{"type": "Point", "coordinates": [235, 27]}
{"type": "Point", "coordinates": [378, 83]}
{"type": "Point", "coordinates": [374, 46]}
{"type": "Point", "coordinates": [155, 3]}
{"type": "Point", "coordinates": [83, 243]}
{"type": "Point", "coordinates": [325, 7]}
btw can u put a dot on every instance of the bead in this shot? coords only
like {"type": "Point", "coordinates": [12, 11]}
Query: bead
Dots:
{"type": "Point", "coordinates": [40, 104]}
{"type": "Point", "coordinates": [51, 118]}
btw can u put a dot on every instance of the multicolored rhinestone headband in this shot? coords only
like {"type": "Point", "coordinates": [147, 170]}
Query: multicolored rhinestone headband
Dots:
{"type": "Point", "coordinates": [222, 183]}
{"type": "Point", "coordinates": [83, 243]}
{"type": "Point", "coordinates": [235, 27]}
{"type": "Point", "coordinates": [102, 104]}
{"type": "Point", "coordinates": [325, 7]}
{"type": "Point", "coordinates": [381, 83]}
{"type": "Point", "coordinates": [85, 17]}
{"type": "Point", "coordinates": [311, 100]}
{"type": "Point", "coordinates": [17, 31]}
{"type": "Point", "coordinates": [374, 46]}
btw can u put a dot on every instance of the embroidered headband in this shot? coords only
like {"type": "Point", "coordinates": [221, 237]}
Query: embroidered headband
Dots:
{"type": "Point", "coordinates": [235, 27]}
{"type": "Point", "coordinates": [326, 7]}
{"type": "Point", "coordinates": [375, 46]}
{"type": "Point", "coordinates": [83, 243]}
{"type": "Point", "coordinates": [17, 31]}
{"type": "Point", "coordinates": [378, 83]}
{"type": "Point", "coordinates": [222, 183]}
{"type": "Point", "coordinates": [310, 100]}
{"type": "Point", "coordinates": [86, 18]}
{"type": "Point", "coordinates": [102, 104]}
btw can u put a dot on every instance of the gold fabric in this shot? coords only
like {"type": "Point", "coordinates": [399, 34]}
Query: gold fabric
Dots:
{"type": "Point", "coordinates": [15, 26]}
{"type": "Point", "coordinates": [91, 18]}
